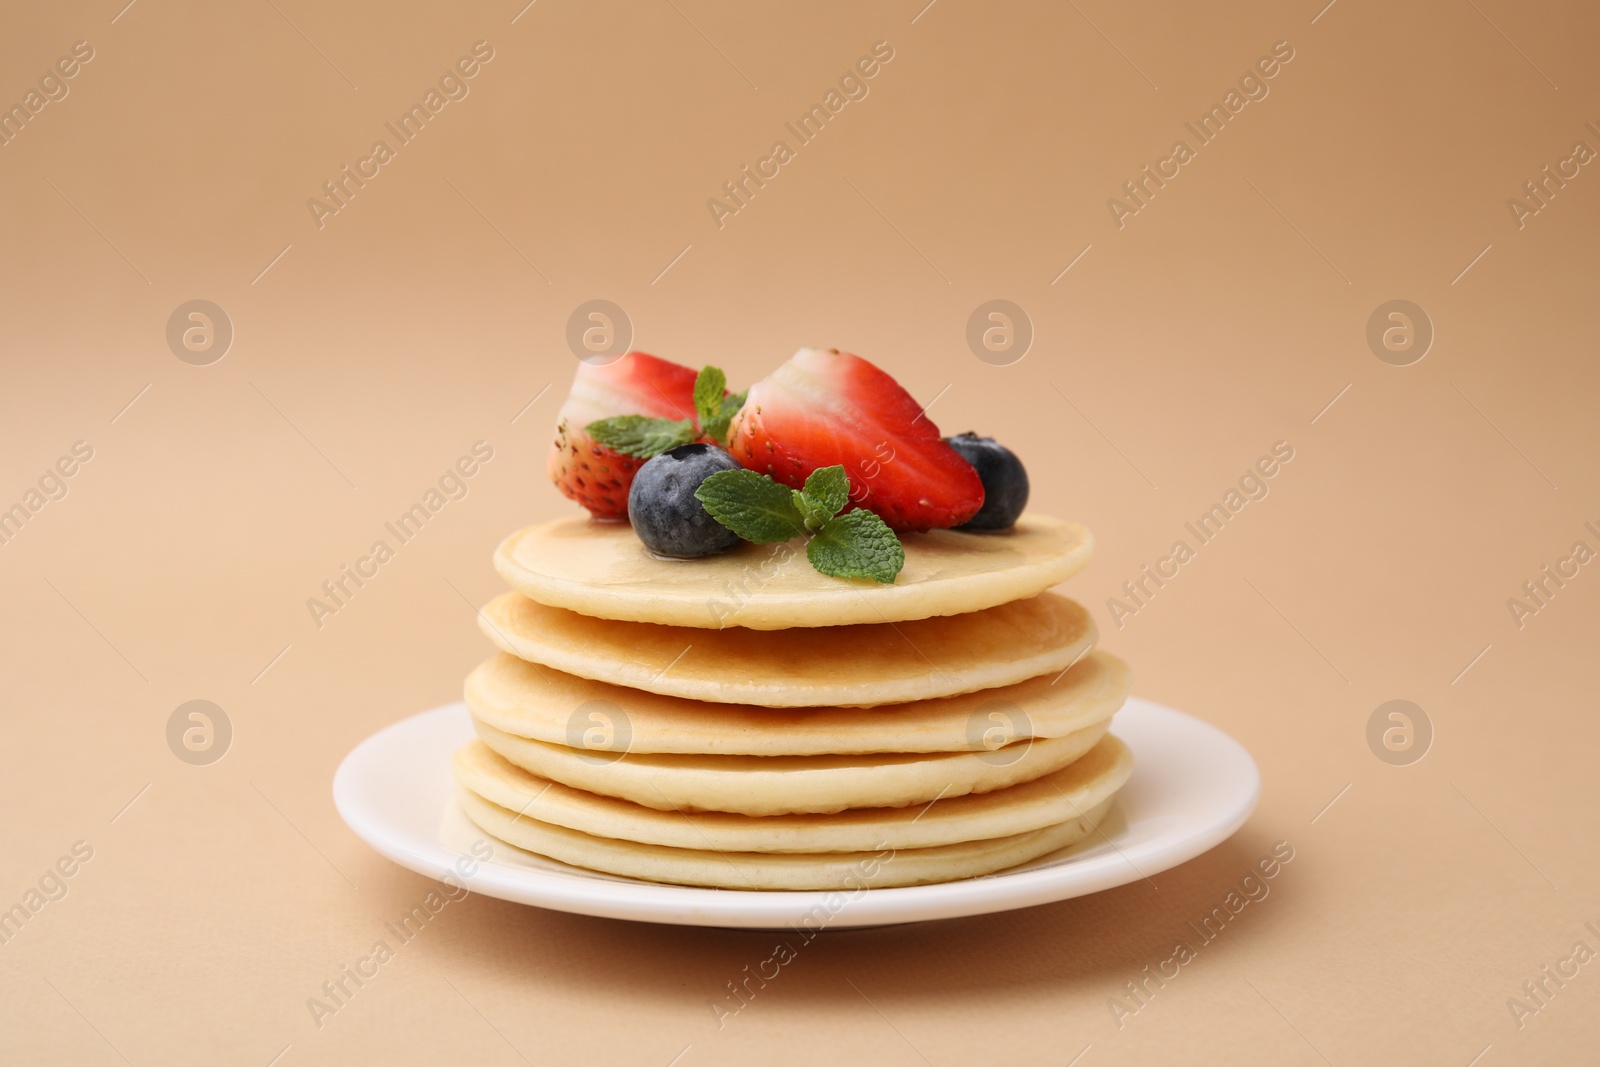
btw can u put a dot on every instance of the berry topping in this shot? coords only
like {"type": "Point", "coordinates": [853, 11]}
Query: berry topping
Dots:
{"type": "Point", "coordinates": [1005, 483]}
{"type": "Point", "coordinates": [594, 475]}
{"type": "Point", "coordinates": [824, 408]}
{"type": "Point", "coordinates": [664, 510]}
{"type": "Point", "coordinates": [642, 437]}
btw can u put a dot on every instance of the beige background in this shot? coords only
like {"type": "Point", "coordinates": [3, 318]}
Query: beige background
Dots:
{"type": "Point", "coordinates": [427, 314]}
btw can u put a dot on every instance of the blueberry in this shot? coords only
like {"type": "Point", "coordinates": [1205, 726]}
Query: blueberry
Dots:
{"type": "Point", "coordinates": [662, 505]}
{"type": "Point", "coordinates": [1005, 483]}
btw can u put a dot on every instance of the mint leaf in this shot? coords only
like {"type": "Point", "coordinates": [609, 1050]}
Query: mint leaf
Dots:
{"type": "Point", "coordinates": [857, 544]}
{"type": "Point", "coordinates": [815, 518]}
{"type": "Point", "coordinates": [751, 505]}
{"type": "Point", "coordinates": [716, 427]}
{"type": "Point", "coordinates": [709, 385]}
{"type": "Point", "coordinates": [827, 489]}
{"type": "Point", "coordinates": [640, 436]}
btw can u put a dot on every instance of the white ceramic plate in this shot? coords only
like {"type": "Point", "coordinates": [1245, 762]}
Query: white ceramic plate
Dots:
{"type": "Point", "coordinates": [1192, 787]}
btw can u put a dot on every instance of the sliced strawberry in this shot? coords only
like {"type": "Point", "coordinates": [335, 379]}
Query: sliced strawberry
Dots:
{"type": "Point", "coordinates": [636, 384]}
{"type": "Point", "coordinates": [824, 407]}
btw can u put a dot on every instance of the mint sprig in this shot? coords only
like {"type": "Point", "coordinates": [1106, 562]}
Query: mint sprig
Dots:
{"type": "Point", "coordinates": [826, 492]}
{"type": "Point", "coordinates": [752, 505]}
{"type": "Point", "coordinates": [856, 544]}
{"type": "Point", "coordinates": [709, 385]}
{"type": "Point", "coordinates": [643, 436]}
{"type": "Point", "coordinates": [716, 426]}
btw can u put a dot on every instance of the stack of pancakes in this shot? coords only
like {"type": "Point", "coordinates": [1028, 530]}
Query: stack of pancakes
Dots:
{"type": "Point", "coordinates": [744, 722]}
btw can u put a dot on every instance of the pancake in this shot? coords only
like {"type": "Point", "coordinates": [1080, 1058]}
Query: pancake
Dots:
{"type": "Point", "coordinates": [784, 785]}
{"type": "Point", "coordinates": [1054, 798]}
{"type": "Point", "coordinates": [849, 666]}
{"type": "Point", "coordinates": [764, 871]}
{"type": "Point", "coordinates": [602, 570]}
{"type": "Point", "coordinates": [518, 698]}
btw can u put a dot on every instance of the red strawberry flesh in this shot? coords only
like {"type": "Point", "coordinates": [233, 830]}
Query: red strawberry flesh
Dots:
{"type": "Point", "coordinates": [637, 384]}
{"type": "Point", "coordinates": [825, 407]}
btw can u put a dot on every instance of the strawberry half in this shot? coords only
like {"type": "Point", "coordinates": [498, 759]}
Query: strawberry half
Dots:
{"type": "Point", "coordinates": [637, 384]}
{"type": "Point", "coordinates": [824, 407]}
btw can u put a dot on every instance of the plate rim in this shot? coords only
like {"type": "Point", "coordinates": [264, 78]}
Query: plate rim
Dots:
{"type": "Point", "coordinates": [618, 897]}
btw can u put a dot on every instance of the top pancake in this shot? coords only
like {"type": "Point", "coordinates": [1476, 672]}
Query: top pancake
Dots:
{"type": "Point", "coordinates": [603, 570]}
